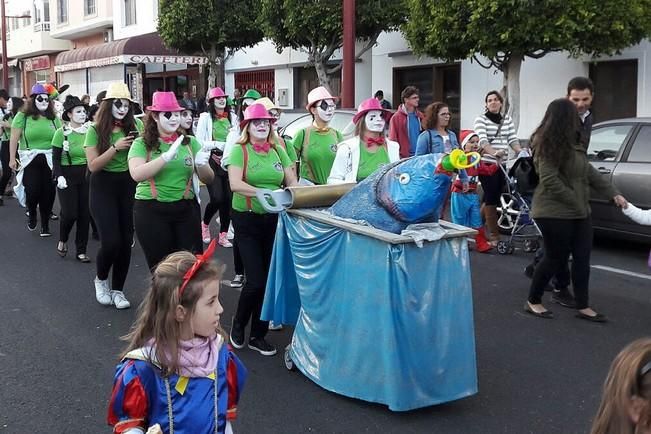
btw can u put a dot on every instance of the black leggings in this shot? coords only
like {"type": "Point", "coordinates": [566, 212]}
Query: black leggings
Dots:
{"type": "Point", "coordinates": [111, 204]}
{"type": "Point", "coordinates": [492, 186]}
{"type": "Point", "coordinates": [4, 166]}
{"type": "Point", "coordinates": [237, 258]}
{"type": "Point", "coordinates": [166, 227]}
{"type": "Point", "coordinates": [219, 191]}
{"type": "Point", "coordinates": [39, 189]}
{"type": "Point", "coordinates": [74, 206]}
{"type": "Point", "coordinates": [255, 238]}
{"type": "Point", "coordinates": [560, 238]}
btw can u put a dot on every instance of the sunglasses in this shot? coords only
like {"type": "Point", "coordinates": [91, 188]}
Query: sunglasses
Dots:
{"type": "Point", "coordinates": [41, 98]}
{"type": "Point", "coordinates": [327, 106]}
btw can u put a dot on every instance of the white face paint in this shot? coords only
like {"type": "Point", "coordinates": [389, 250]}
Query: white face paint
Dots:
{"type": "Point", "coordinates": [325, 110]}
{"type": "Point", "coordinates": [120, 108]}
{"type": "Point", "coordinates": [78, 115]}
{"type": "Point", "coordinates": [169, 122]}
{"type": "Point", "coordinates": [259, 129]}
{"type": "Point", "coordinates": [374, 121]}
{"type": "Point", "coordinates": [186, 119]}
{"type": "Point", "coordinates": [220, 102]}
{"type": "Point", "coordinates": [42, 102]}
{"type": "Point", "coordinates": [10, 105]}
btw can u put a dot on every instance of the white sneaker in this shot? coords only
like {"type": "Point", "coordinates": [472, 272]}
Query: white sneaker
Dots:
{"type": "Point", "coordinates": [119, 300]}
{"type": "Point", "coordinates": [231, 232]}
{"type": "Point", "coordinates": [102, 292]}
{"type": "Point", "coordinates": [274, 327]}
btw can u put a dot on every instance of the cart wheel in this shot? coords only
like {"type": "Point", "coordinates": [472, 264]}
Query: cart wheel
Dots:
{"type": "Point", "coordinates": [503, 247]}
{"type": "Point", "coordinates": [530, 245]}
{"type": "Point", "coordinates": [289, 363]}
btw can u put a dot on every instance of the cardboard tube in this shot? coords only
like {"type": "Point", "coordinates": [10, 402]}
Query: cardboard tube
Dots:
{"type": "Point", "coordinates": [318, 195]}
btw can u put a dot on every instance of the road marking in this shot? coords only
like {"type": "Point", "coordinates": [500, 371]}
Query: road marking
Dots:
{"type": "Point", "coordinates": [620, 271]}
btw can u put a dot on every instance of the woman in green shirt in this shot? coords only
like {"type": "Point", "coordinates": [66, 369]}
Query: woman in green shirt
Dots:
{"type": "Point", "coordinates": [255, 162]}
{"type": "Point", "coordinates": [13, 106]}
{"type": "Point", "coordinates": [31, 137]}
{"type": "Point", "coordinates": [316, 145]}
{"type": "Point", "coordinates": [112, 190]}
{"type": "Point", "coordinates": [69, 161]}
{"type": "Point", "coordinates": [166, 213]}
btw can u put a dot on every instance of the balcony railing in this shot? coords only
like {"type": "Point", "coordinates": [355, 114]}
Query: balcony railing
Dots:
{"type": "Point", "coordinates": [43, 26]}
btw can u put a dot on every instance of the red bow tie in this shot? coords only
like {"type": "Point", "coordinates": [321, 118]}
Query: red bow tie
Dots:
{"type": "Point", "coordinates": [264, 147]}
{"type": "Point", "coordinates": [171, 139]}
{"type": "Point", "coordinates": [379, 141]}
{"type": "Point", "coordinates": [118, 123]}
{"type": "Point", "coordinates": [222, 115]}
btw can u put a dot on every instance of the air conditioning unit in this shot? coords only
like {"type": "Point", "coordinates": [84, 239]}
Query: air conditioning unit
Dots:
{"type": "Point", "coordinates": [108, 35]}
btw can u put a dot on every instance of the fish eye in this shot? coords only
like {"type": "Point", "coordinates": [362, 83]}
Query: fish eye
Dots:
{"type": "Point", "coordinates": [404, 178]}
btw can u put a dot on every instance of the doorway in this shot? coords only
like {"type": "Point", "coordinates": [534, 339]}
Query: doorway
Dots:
{"type": "Point", "coordinates": [615, 89]}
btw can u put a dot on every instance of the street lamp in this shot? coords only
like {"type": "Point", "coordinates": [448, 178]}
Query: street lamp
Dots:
{"type": "Point", "coordinates": [3, 18]}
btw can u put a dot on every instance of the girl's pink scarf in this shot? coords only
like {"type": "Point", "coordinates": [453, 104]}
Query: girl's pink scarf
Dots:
{"type": "Point", "coordinates": [197, 356]}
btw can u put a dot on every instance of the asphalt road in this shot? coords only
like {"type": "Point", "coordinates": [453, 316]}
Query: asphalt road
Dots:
{"type": "Point", "coordinates": [58, 349]}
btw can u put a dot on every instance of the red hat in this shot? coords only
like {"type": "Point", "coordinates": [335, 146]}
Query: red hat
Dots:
{"type": "Point", "coordinates": [255, 111]}
{"type": "Point", "coordinates": [164, 102]}
{"type": "Point", "coordinates": [369, 105]}
{"type": "Point", "coordinates": [465, 136]}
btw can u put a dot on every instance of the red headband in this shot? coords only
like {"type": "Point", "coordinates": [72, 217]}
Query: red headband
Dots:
{"type": "Point", "coordinates": [201, 259]}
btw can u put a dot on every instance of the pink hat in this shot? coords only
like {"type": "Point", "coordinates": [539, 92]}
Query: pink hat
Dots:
{"type": "Point", "coordinates": [255, 111]}
{"type": "Point", "coordinates": [216, 92]}
{"type": "Point", "coordinates": [318, 94]}
{"type": "Point", "coordinates": [164, 102]}
{"type": "Point", "coordinates": [369, 105]}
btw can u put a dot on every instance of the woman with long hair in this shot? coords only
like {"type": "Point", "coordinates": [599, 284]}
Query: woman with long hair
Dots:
{"type": "Point", "coordinates": [112, 190]}
{"type": "Point", "coordinates": [14, 104]}
{"type": "Point", "coordinates": [163, 161]}
{"type": "Point", "coordinates": [70, 167]}
{"type": "Point", "coordinates": [497, 137]}
{"type": "Point", "coordinates": [31, 136]}
{"type": "Point", "coordinates": [360, 156]}
{"type": "Point", "coordinates": [212, 131]}
{"type": "Point", "coordinates": [626, 402]}
{"type": "Point", "coordinates": [255, 162]}
{"type": "Point", "coordinates": [561, 208]}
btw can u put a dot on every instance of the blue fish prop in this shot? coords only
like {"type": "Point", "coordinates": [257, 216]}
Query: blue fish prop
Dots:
{"type": "Point", "coordinates": [399, 194]}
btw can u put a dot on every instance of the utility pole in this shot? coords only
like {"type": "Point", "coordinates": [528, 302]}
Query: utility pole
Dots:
{"type": "Point", "coordinates": [5, 68]}
{"type": "Point", "coordinates": [348, 79]}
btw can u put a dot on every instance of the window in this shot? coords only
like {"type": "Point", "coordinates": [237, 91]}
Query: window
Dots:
{"type": "Point", "coordinates": [641, 150]}
{"type": "Point", "coordinates": [606, 142]}
{"type": "Point", "coordinates": [129, 12]}
{"type": "Point", "coordinates": [46, 11]}
{"type": "Point", "coordinates": [62, 11]}
{"type": "Point", "coordinates": [41, 76]}
{"type": "Point", "coordinates": [89, 7]}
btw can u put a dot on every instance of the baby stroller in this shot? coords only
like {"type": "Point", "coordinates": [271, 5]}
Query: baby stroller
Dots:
{"type": "Point", "coordinates": [515, 207]}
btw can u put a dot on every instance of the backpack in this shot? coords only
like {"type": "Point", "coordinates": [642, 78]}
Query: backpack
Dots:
{"type": "Point", "coordinates": [525, 175]}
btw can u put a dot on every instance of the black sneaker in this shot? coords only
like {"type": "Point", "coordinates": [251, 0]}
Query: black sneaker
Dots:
{"type": "Point", "coordinates": [237, 336]}
{"type": "Point", "coordinates": [262, 346]}
{"type": "Point", "coordinates": [31, 225]}
{"type": "Point", "coordinates": [528, 270]}
{"type": "Point", "coordinates": [564, 298]}
{"type": "Point", "coordinates": [45, 231]}
{"type": "Point", "coordinates": [237, 281]}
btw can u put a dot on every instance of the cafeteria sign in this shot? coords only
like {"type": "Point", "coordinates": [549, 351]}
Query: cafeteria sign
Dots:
{"type": "Point", "coordinates": [185, 60]}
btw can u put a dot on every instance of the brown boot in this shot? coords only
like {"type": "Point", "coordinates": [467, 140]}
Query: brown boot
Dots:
{"type": "Point", "coordinates": [490, 214]}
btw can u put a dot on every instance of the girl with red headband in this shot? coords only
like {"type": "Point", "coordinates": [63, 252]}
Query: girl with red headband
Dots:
{"type": "Point", "coordinates": [177, 374]}
{"type": "Point", "coordinates": [255, 163]}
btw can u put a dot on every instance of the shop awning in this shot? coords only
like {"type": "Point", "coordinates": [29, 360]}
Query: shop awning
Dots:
{"type": "Point", "coordinates": [147, 48]}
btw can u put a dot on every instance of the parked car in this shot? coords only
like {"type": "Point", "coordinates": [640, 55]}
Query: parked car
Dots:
{"type": "Point", "coordinates": [342, 121]}
{"type": "Point", "coordinates": [621, 150]}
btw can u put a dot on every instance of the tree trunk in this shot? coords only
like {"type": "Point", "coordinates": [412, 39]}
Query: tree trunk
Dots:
{"type": "Point", "coordinates": [324, 78]}
{"type": "Point", "coordinates": [212, 65]}
{"type": "Point", "coordinates": [511, 89]}
{"type": "Point", "coordinates": [220, 73]}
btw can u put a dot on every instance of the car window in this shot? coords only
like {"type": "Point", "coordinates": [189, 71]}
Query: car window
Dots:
{"type": "Point", "coordinates": [606, 141]}
{"type": "Point", "coordinates": [641, 150]}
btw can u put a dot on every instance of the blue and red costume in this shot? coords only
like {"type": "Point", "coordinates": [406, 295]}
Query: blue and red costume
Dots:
{"type": "Point", "coordinates": [140, 396]}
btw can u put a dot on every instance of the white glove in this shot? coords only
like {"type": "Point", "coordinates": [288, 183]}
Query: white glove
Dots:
{"type": "Point", "coordinates": [170, 154]}
{"type": "Point", "coordinates": [201, 158]}
{"type": "Point", "coordinates": [62, 184]}
{"type": "Point", "coordinates": [209, 146]}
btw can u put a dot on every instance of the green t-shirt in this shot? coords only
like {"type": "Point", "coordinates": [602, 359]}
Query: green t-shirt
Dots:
{"type": "Point", "coordinates": [262, 171]}
{"type": "Point", "coordinates": [321, 152]}
{"type": "Point", "coordinates": [37, 133]}
{"type": "Point", "coordinates": [220, 129]}
{"type": "Point", "coordinates": [289, 148]}
{"type": "Point", "coordinates": [76, 145]}
{"type": "Point", "coordinates": [370, 161]}
{"type": "Point", "coordinates": [172, 180]}
{"type": "Point", "coordinates": [119, 161]}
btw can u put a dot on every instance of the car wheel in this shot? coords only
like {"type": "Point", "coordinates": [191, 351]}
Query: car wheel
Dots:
{"type": "Point", "coordinates": [504, 248]}
{"type": "Point", "coordinates": [506, 213]}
